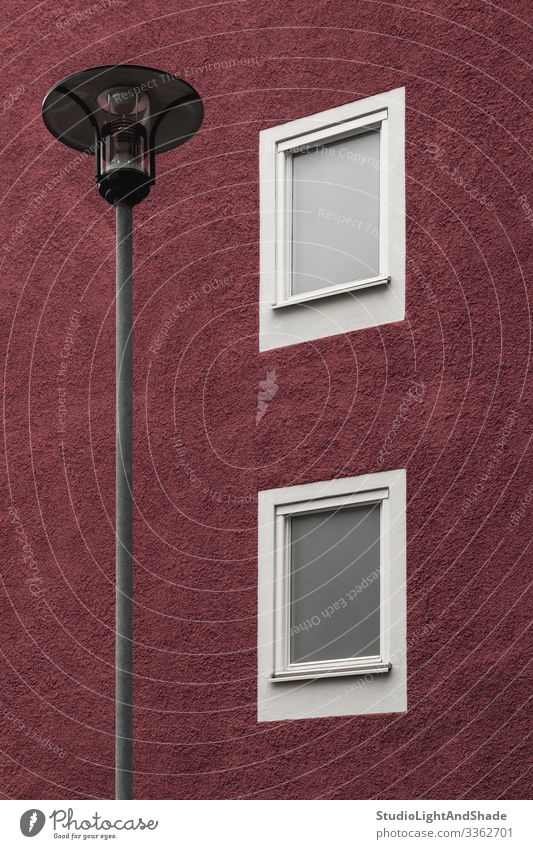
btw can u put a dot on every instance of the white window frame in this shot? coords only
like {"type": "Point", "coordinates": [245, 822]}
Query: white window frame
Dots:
{"type": "Point", "coordinates": [286, 318]}
{"type": "Point", "coordinates": [285, 151]}
{"type": "Point", "coordinates": [299, 693]}
{"type": "Point", "coordinates": [284, 670]}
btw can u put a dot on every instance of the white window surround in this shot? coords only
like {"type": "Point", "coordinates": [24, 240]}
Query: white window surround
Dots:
{"type": "Point", "coordinates": [286, 318]}
{"type": "Point", "coordinates": [297, 691]}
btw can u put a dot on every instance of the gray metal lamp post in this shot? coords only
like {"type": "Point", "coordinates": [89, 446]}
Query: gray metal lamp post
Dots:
{"type": "Point", "coordinates": [124, 115]}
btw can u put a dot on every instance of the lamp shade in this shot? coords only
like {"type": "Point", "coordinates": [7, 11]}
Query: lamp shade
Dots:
{"type": "Point", "coordinates": [123, 115]}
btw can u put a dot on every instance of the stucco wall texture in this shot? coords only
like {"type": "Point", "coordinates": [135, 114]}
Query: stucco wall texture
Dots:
{"type": "Point", "coordinates": [200, 453]}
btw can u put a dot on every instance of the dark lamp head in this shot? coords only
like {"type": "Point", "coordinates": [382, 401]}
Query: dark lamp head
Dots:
{"type": "Point", "coordinates": [123, 115]}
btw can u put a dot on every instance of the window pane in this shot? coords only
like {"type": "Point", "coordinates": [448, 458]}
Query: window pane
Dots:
{"type": "Point", "coordinates": [335, 217]}
{"type": "Point", "coordinates": [334, 611]}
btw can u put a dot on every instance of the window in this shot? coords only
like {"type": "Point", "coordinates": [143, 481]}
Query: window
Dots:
{"type": "Point", "coordinates": [335, 217]}
{"type": "Point", "coordinates": [332, 597]}
{"type": "Point", "coordinates": [332, 221]}
{"type": "Point", "coordinates": [330, 617]}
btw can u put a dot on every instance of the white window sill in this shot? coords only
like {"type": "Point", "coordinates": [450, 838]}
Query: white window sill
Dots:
{"type": "Point", "coordinates": [327, 291]}
{"type": "Point", "coordinates": [296, 674]}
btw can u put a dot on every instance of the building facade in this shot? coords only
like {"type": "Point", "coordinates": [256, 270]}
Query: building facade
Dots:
{"type": "Point", "coordinates": [331, 324]}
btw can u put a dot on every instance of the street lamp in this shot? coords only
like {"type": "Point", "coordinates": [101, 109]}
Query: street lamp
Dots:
{"type": "Point", "coordinates": [123, 115]}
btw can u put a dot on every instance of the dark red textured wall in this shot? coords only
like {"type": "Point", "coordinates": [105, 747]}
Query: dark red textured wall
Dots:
{"type": "Point", "coordinates": [201, 455]}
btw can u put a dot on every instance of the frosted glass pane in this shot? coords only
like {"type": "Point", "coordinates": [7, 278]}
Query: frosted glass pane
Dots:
{"type": "Point", "coordinates": [334, 610]}
{"type": "Point", "coordinates": [335, 215]}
